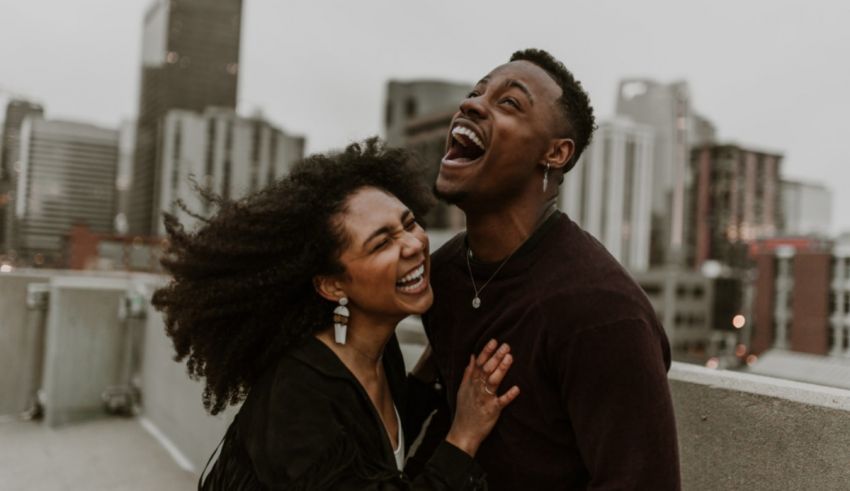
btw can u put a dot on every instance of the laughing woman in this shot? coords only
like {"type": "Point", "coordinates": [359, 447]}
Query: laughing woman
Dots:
{"type": "Point", "coordinates": [288, 300]}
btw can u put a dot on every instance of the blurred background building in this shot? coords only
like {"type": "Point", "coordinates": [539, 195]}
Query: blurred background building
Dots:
{"type": "Point", "coordinates": [736, 193]}
{"type": "Point", "coordinates": [609, 192]}
{"type": "Point", "coordinates": [16, 111]}
{"type": "Point", "coordinates": [668, 109]}
{"type": "Point", "coordinates": [806, 208]}
{"type": "Point", "coordinates": [190, 60]}
{"type": "Point", "coordinates": [408, 100]}
{"type": "Point", "coordinates": [67, 177]}
{"type": "Point", "coordinates": [222, 151]}
{"type": "Point", "coordinates": [418, 114]}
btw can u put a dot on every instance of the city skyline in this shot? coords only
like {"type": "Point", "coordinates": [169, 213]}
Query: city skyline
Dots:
{"type": "Point", "coordinates": [772, 79]}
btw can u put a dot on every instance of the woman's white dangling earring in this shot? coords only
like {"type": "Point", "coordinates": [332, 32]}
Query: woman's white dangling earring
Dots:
{"type": "Point", "coordinates": [341, 314]}
{"type": "Point", "coordinates": [546, 177]}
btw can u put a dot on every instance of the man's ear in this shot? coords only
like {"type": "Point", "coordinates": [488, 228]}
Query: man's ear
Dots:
{"type": "Point", "coordinates": [328, 287]}
{"type": "Point", "coordinates": [560, 152]}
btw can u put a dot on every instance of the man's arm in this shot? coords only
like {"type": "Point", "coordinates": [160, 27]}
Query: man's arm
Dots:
{"type": "Point", "coordinates": [614, 385]}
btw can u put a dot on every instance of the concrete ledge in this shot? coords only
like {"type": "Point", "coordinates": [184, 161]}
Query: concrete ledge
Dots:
{"type": "Point", "coordinates": [742, 431]}
{"type": "Point", "coordinates": [789, 390]}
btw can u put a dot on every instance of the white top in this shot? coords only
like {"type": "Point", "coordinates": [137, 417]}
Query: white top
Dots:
{"type": "Point", "coordinates": [399, 452]}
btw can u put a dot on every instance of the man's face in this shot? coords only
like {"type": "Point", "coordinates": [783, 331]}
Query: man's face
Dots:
{"type": "Point", "coordinates": [499, 136]}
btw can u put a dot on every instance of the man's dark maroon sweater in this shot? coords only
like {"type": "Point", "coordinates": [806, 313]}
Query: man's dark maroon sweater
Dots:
{"type": "Point", "coordinates": [590, 359]}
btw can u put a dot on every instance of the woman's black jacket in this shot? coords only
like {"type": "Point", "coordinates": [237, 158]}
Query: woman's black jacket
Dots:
{"type": "Point", "coordinates": [309, 424]}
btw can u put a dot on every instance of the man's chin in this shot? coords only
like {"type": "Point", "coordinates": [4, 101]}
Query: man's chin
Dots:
{"type": "Point", "coordinates": [449, 196]}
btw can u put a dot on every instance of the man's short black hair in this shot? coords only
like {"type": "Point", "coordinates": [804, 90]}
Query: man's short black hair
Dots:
{"type": "Point", "coordinates": [574, 101]}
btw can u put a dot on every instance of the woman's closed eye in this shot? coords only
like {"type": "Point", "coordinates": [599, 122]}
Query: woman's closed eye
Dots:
{"type": "Point", "coordinates": [381, 244]}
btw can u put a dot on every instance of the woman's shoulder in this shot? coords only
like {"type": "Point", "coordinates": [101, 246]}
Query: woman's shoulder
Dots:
{"type": "Point", "coordinates": [291, 417]}
{"type": "Point", "coordinates": [302, 377]}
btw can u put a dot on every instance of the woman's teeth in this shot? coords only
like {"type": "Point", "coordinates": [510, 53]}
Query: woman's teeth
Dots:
{"type": "Point", "coordinates": [412, 280]}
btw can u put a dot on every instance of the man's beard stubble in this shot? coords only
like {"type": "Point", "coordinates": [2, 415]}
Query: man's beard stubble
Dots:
{"type": "Point", "coordinates": [450, 198]}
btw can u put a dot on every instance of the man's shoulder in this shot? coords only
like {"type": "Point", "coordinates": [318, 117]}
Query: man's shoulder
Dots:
{"type": "Point", "coordinates": [448, 250]}
{"type": "Point", "coordinates": [590, 287]}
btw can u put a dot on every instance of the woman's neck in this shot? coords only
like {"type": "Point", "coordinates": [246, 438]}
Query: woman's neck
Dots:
{"type": "Point", "coordinates": [363, 350]}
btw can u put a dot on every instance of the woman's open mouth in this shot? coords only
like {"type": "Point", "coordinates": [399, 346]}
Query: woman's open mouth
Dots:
{"type": "Point", "coordinates": [412, 282]}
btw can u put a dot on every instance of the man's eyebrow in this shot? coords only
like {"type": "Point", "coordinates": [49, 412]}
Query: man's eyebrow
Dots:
{"type": "Point", "coordinates": [483, 81]}
{"type": "Point", "coordinates": [386, 229]}
{"type": "Point", "coordinates": [521, 86]}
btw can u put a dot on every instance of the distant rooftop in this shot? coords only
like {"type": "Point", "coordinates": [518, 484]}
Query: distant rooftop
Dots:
{"type": "Point", "coordinates": [830, 371]}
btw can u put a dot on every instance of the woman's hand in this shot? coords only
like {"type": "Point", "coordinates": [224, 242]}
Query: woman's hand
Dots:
{"type": "Point", "coordinates": [478, 402]}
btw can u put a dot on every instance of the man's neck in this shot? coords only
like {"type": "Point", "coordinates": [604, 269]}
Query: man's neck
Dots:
{"type": "Point", "coordinates": [495, 234]}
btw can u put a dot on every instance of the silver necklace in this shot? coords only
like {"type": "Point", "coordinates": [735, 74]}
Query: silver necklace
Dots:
{"type": "Point", "coordinates": [476, 300]}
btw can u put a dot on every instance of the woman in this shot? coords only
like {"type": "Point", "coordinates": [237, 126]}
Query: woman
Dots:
{"type": "Point", "coordinates": [289, 300]}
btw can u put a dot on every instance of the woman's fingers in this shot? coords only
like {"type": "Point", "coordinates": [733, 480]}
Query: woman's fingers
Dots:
{"type": "Point", "coordinates": [508, 397]}
{"type": "Point", "coordinates": [469, 370]}
{"type": "Point", "coordinates": [486, 352]}
{"type": "Point", "coordinates": [496, 359]}
{"type": "Point", "coordinates": [501, 369]}
{"type": "Point", "coordinates": [489, 369]}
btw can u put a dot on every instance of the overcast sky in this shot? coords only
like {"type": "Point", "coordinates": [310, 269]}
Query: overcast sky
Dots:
{"type": "Point", "coordinates": [768, 73]}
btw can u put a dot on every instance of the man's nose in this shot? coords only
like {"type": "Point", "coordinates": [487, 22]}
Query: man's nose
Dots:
{"type": "Point", "coordinates": [473, 107]}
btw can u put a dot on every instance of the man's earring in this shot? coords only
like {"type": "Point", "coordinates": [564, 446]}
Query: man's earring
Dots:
{"type": "Point", "coordinates": [546, 177]}
{"type": "Point", "coordinates": [341, 314]}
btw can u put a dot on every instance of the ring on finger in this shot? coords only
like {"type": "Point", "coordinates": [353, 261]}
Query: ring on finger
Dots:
{"type": "Point", "coordinates": [487, 388]}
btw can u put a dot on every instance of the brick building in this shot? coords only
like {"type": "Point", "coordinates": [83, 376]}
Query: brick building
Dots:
{"type": "Point", "coordinates": [802, 300]}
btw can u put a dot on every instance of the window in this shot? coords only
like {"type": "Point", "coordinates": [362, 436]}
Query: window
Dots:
{"type": "Point", "coordinates": [410, 107]}
{"type": "Point", "coordinates": [388, 114]}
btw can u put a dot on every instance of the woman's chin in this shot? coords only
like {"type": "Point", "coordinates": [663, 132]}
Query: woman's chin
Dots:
{"type": "Point", "coordinates": [418, 304]}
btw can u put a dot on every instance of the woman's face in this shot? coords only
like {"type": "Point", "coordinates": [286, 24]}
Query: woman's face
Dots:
{"type": "Point", "coordinates": [386, 260]}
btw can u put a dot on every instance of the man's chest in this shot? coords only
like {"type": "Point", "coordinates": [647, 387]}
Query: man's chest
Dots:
{"type": "Point", "coordinates": [456, 331]}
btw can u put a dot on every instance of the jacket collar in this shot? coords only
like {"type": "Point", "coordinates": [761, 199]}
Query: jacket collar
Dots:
{"type": "Point", "coordinates": [321, 358]}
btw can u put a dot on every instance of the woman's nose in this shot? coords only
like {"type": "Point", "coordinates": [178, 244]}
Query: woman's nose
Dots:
{"type": "Point", "coordinates": [413, 244]}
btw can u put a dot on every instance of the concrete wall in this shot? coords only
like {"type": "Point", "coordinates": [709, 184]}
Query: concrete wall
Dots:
{"type": "Point", "coordinates": [172, 404]}
{"type": "Point", "coordinates": [21, 342]}
{"type": "Point", "coordinates": [84, 349]}
{"type": "Point", "coordinates": [741, 431]}
{"type": "Point", "coordinates": [736, 431]}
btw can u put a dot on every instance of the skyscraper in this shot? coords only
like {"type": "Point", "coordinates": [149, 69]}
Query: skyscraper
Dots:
{"type": "Point", "coordinates": [609, 193]}
{"type": "Point", "coordinates": [16, 111]}
{"type": "Point", "coordinates": [413, 99]}
{"type": "Point", "coordinates": [417, 116]}
{"type": "Point", "coordinates": [190, 60]}
{"type": "Point", "coordinates": [232, 155]}
{"type": "Point", "coordinates": [806, 208]}
{"type": "Point", "coordinates": [736, 194]}
{"type": "Point", "coordinates": [67, 177]}
{"type": "Point", "coordinates": [667, 108]}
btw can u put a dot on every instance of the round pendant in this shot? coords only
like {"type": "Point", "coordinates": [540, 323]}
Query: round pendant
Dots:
{"type": "Point", "coordinates": [476, 302]}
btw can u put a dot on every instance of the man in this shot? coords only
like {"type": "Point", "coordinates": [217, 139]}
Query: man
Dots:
{"type": "Point", "coordinates": [590, 356]}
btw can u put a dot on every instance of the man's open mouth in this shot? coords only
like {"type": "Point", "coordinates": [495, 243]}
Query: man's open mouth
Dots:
{"type": "Point", "coordinates": [465, 145]}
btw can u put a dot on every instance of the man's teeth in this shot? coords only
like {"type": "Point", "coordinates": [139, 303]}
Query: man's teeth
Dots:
{"type": "Point", "coordinates": [462, 130]}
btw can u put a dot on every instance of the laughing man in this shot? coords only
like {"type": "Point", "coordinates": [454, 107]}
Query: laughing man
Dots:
{"type": "Point", "coordinates": [590, 356]}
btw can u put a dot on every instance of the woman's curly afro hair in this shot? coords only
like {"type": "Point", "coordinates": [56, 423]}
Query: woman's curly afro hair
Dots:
{"type": "Point", "coordinates": [242, 288]}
